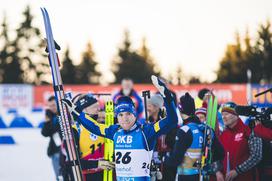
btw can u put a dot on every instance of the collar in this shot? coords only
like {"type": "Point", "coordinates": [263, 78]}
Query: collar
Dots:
{"type": "Point", "coordinates": [134, 126]}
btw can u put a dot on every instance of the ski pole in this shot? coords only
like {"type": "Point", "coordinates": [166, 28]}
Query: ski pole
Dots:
{"type": "Point", "coordinates": [228, 163]}
{"type": "Point", "coordinates": [145, 95]}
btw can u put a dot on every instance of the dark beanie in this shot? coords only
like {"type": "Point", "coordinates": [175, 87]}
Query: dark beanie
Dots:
{"type": "Point", "coordinates": [187, 104]}
{"type": "Point", "coordinates": [84, 101]}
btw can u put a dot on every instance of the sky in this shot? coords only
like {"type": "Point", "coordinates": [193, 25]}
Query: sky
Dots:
{"type": "Point", "coordinates": [191, 34]}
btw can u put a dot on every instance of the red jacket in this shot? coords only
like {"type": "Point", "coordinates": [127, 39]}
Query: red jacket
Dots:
{"type": "Point", "coordinates": [266, 134]}
{"type": "Point", "coordinates": [263, 132]}
{"type": "Point", "coordinates": [235, 141]}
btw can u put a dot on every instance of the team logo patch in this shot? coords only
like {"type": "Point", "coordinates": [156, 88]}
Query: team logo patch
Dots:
{"type": "Point", "coordinates": [238, 137]}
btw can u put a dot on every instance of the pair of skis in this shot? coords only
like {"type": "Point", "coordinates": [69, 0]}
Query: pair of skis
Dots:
{"type": "Point", "coordinates": [108, 151]}
{"type": "Point", "coordinates": [210, 126]}
{"type": "Point", "coordinates": [212, 112]}
{"type": "Point", "coordinates": [65, 116]}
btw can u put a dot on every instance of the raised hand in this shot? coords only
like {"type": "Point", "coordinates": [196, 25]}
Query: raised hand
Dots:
{"type": "Point", "coordinates": [162, 88]}
{"type": "Point", "coordinates": [71, 106]}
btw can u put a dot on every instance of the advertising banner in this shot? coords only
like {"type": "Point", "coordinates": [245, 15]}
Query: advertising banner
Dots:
{"type": "Point", "coordinates": [224, 92]}
{"type": "Point", "coordinates": [16, 96]}
{"type": "Point", "coordinates": [264, 100]}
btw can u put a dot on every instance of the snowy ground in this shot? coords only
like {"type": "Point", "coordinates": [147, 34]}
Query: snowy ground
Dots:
{"type": "Point", "coordinates": [27, 159]}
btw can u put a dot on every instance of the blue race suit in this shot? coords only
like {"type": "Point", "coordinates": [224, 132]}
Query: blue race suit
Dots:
{"type": "Point", "coordinates": [133, 148]}
{"type": "Point", "coordinates": [193, 153]}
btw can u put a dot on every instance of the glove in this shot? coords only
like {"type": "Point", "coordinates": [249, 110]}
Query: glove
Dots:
{"type": "Point", "coordinates": [162, 88]}
{"type": "Point", "coordinates": [71, 107]}
{"type": "Point", "coordinates": [106, 165]}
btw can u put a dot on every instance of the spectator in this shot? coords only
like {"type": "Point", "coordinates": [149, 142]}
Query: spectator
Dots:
{"type": "Point", "coordinates": [127, 90]}
{"type": "Point", "coordinates": [200, 97]}
{"type": "Point", "coordinates": [51, 129]}
{"type": "Point", "coordinates": [201, 114]}
{"type": "Point", "coordinates": [242, 146]}
{"type": "Point", "coordinates": [155, 108]}
{"type": "Point", "coordinates": [265, 166]}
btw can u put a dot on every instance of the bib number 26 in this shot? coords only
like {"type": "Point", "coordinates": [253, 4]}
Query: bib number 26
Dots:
{"type": "Point", "coordinates": [125, 158]}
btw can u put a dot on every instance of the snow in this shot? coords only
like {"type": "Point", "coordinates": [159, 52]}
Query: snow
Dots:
{"type": "Point", "coordinates": [27, 159]}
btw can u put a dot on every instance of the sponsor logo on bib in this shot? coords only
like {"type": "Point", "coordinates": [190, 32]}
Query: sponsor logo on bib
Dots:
{"type": "Point", "coordinates": [124, 139]}
{"type": "Point", "coordinates": [93, 137]}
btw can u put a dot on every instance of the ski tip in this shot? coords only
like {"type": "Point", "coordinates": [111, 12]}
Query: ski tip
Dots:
{"type": "Point", "coordinates": [45, 10]}
{"type": "Point", "coordinates": [42, 9]}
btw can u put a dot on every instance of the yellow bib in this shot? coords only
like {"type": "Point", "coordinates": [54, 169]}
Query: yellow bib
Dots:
{"type": "Point", "coordinates": [91, 146]}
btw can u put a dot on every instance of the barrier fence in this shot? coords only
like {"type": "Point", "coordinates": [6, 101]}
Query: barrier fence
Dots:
{"type": "Point", "coordinates": [23, 105]}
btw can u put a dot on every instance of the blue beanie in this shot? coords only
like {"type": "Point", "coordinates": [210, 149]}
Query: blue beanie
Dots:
{"type": "Point", "coordinates": [125, 104]}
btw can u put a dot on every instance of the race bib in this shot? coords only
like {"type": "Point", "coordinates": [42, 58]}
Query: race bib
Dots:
{"type": "Point", "coordinates": [135, 163]}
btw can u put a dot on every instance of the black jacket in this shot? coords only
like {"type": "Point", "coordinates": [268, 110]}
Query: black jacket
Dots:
{"type": "Point", "coordinates": [49, 129]}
